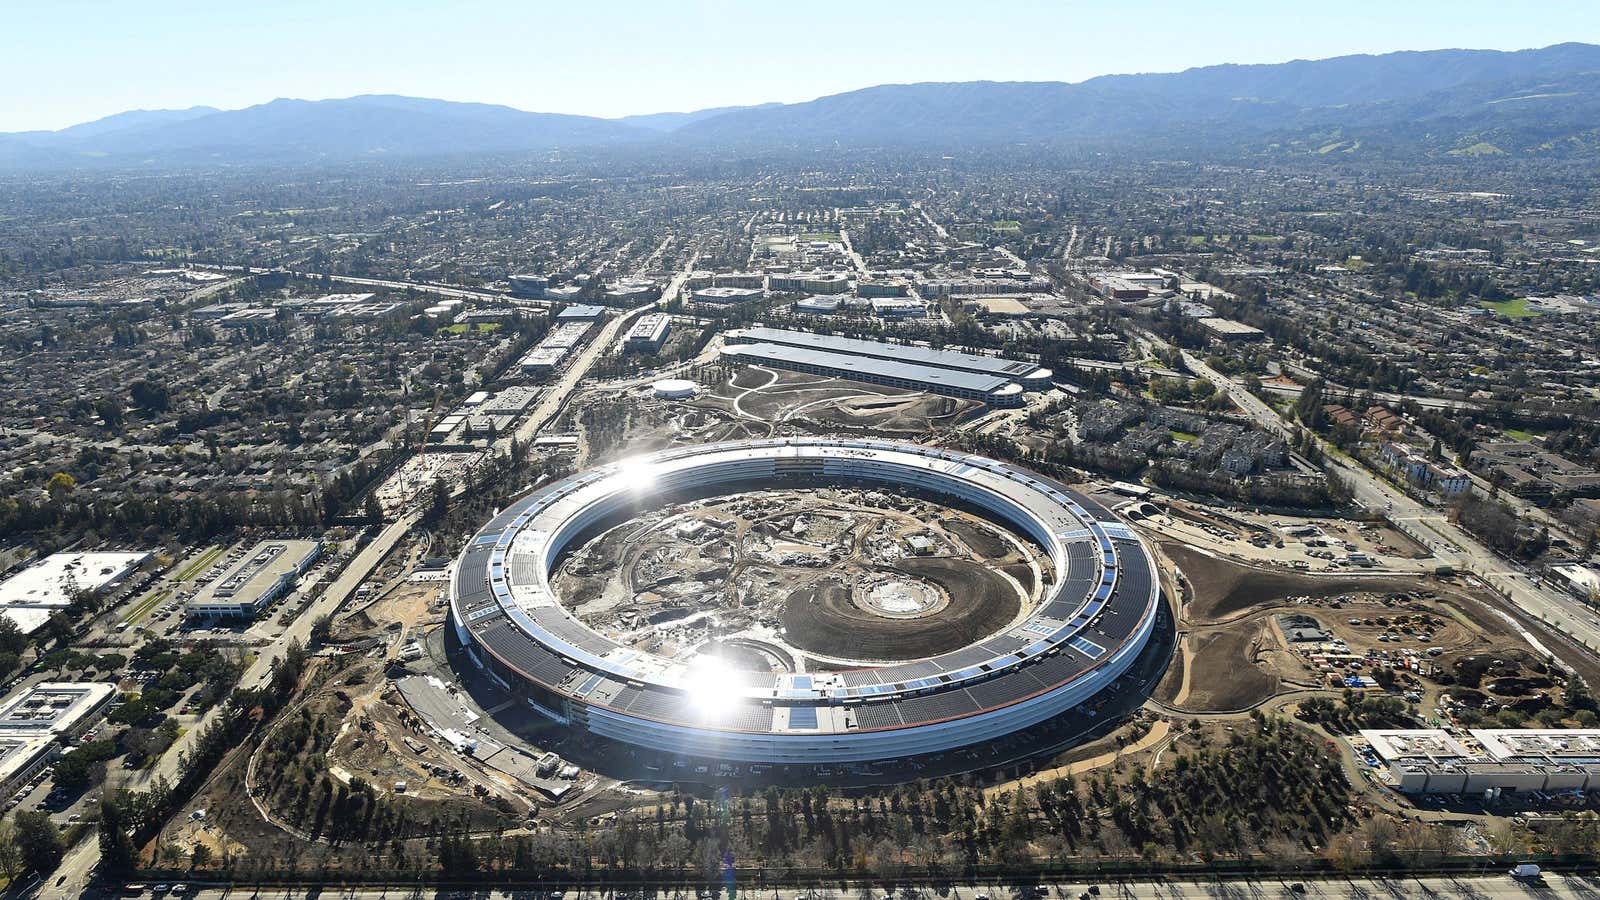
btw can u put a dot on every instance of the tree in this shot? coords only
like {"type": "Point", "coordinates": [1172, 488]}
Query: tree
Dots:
{"type": "Point", "coordinates": [1576, 695]}
{"type": "Point", "coordinates": [438, 503]}
{"type": "Point", "coordinates": [58, 629]}
{"type": "Point", "coordinates": [39, 841]}
{"type": "Point", "coordinates": [321, 629]}
{"type": "Point", "coordinates": [116, 847]}
{"type": "Point", "coordinates": [60, 486]}
{"type": "Point", "coordinates": [150, 395]}
{"type": "Point", "coordinates": [10, 852]}
{"type": "Point", "coordinates": [12, 640]}
{"type": "Point", "coordinates": [199, 856]}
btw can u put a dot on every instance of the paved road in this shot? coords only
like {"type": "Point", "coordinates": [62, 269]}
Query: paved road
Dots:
{"type": "Point", "coordinates": [1294, 390]}
{"type": "Point", "coordinates": [71, 878]}
{"type": "Point", "coordinates": [1450, 543]}
{"type": "Point", "coordinates": [1489, 887]}
{"type": "Point", "coordinates": [850, 250]}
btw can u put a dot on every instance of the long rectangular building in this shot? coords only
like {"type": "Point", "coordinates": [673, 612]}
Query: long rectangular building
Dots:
{"type": "Point", "coordinates": [991, 389]}
{"type": "Point", "coordinates": [1029, 375]}
{"type": "Point", "coordinates": [1433, 761]}
{"type": "Point", "coordinates": [258, 579]}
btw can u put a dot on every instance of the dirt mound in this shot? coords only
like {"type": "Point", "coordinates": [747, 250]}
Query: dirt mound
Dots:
{"type": "Point", "coordinates": [1222, 587]}
{"type": "Point", "coordinates": [823, 619]}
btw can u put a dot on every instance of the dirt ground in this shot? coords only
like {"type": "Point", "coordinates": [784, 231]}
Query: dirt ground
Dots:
{"type": "Point", "coordinates": [824, 620]}
{"type": "Point", "coordinates": [834, 404]}
{"type": "Point", "coordinates": [1220, 588]}
{"type": "Point", "coordinates": [1226, 673]}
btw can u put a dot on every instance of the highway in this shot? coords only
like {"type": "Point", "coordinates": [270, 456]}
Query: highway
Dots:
{"type": "Point", "coordinates": [1294, 390]}
{"type": "Point", "coordinates": [1451, 544]}
{"type": "Point", "coordinates": [1486, 887]}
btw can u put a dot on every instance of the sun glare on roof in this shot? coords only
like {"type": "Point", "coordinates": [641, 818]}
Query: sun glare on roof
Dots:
{"type": "Point", "coordinates": [711, 686]}
{"type": "Point", "coordinates": [636, 474]}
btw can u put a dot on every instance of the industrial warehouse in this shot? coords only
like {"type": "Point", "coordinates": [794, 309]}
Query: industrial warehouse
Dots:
{"type": "Point", "coordinates": [1086, 630]}
{"type": "Point", "coordinates": [1031, 376]}
{"type": "Point", "coordinates": [989, 379]}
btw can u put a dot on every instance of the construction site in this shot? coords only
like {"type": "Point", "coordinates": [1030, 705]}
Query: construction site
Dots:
{"type": "Point", "coordinates": [799, 580]}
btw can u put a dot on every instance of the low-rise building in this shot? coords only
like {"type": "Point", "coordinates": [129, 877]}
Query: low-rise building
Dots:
{"type": "Point", "coordinates": [486, 315]}
{"type": "Point", "coordinates": [819, 306]}
{"type": "Point", "coordinates": [581, 312]}
{"type": "Point", "coordinates": [648, 334]}
{"type": "Point", "coordinates": [553, 350]}
{"type": "Point", "coordinates": [528, 285]}
{"type": "Point", "coordinates": [1229, 330]}
{"type": "Point", "coordinates": [726, 295]}
{"type": "Point", "coordinates": [898, 308]}
{"type": "Point", "coordinates": [35, 723]}
{"type": "Point", "coordinates": [632, 291]}
{"type": "Point", "coordinates": [255, 582]}
{"type": "Point", "coordinates": [809, 283]}
{"type": "Point", "coordinates": [1489, 761]}
{"type": "Point", "coordinates": [739, 280]}
{"type": "Point", "coordinates": [28, 597]}
{"type": "Point", "coordinates": [1413, 464]}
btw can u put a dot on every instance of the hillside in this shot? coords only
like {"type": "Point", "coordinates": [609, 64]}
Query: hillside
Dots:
{"type": "Point", "coordinates": [1440, 104]}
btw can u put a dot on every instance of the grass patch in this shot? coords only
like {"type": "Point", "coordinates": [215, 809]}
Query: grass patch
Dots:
{"type": "Point", "coordinates": [820, 236]}
{"type": "Point", "coordinates": [199, 564]}
{"type": "Point", "coordinates": [1183, 436]}
{"type": "Point", "coordinates": [1511, 309]}
{"type": "Point", "coordinates": [1519, 434]}
{"type": "Point", "coordinates": [463, 328]}
{"type": "Point", "coordinates": [144, 608]}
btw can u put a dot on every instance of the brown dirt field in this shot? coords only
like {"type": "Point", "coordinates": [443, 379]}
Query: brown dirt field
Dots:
{"type": "Point", "coordinates": [1023, 573]}
{"type": "Point", "coordinates": [1225, 677]}
{"type": "Point", "coordinates": [981, 540]}
{"type": "Point", "coordinates": [1222, 588]}
{"type": "Point", "coordinates": [1172, 681]}
{"type": "Point", "coordinates": [824, 620]}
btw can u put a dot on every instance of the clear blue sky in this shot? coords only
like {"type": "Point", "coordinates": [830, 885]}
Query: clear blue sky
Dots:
{"type": "Point", "coordinates": [68, 61]}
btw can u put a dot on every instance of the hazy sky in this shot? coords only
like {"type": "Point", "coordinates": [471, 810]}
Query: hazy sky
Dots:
{"type": "Point", "coordinates": [68, 61]}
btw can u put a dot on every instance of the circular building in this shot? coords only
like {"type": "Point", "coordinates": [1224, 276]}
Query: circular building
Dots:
{"type": "Point", "coordinates": [673, 389]}
{"type": "Point", "coordinates": [1093, 620]}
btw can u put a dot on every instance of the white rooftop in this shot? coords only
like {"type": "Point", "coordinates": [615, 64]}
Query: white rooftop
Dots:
{"type": "Point", "coordinates": [1394, 744]}
{"type": "Point", "coordinates": [28, 597]}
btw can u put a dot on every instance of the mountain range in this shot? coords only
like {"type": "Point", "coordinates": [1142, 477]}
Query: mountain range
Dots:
{"type": "Point", "coordinates": [1430, 103]}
